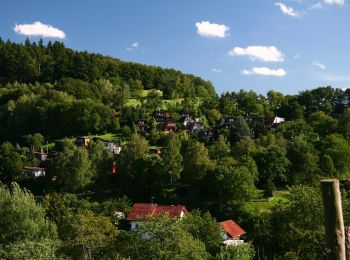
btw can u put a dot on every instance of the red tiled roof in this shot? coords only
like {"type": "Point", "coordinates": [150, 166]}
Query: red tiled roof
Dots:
{"type": "Point", "coordinates": [141, 210]}
{"type": "Point", "coordinates": [231, 227]}
{"type": "Point", "coordinates": [173, 211]}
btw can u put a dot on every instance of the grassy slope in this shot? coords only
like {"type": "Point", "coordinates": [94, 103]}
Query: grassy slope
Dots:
{"type": "Point", "coordinates": [263, 204]}
{"type": "Point", "coordinates": [133, 102]}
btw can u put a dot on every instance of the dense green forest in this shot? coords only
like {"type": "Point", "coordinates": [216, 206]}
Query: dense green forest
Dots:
{"type": "Point", "coordinates": [239, 164]}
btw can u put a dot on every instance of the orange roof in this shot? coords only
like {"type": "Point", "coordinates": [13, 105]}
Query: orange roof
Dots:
{"type": "Point", "coordinates": [231, 227]}
{"type": "Point", "coordinates": [141, 210]}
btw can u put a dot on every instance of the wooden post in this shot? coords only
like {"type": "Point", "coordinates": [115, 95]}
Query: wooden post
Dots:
{"type": "Point", "coordinates": [333, 214]}
{"type": "Point", "coordinates": [347, 242]}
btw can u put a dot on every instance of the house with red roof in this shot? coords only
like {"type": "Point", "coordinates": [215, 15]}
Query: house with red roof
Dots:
{"type": "Point", "coordinates": [231, 232]}
{"type": "Point", "coordinates": [140, 211]}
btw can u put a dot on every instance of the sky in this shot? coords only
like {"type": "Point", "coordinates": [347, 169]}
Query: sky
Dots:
{"type": "Point", "coordinates": [260, 45]}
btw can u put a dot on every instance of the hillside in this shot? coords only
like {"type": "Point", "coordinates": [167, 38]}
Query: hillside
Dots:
{"type": "Point", "coordinates": [101, 134]}
{"type": "Point", "coordinates": [35, 62]}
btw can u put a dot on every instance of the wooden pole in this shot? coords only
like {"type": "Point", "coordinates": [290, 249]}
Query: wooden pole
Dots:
{"type": "Point", "coordinates": [334, 225]}
{"type": "Point", "coordinates": [347, 242]}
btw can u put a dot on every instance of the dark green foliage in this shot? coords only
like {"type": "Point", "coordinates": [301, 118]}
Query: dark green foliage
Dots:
{"type": "Point", "coordinates": [296, 226]}
{"type": "Point", "coordinates": [204, 228]}
{"type": "Point", "coordinates": [161, 238]}
{"type": "Point", "coordinates": [239, 130]}
{"type": "Point", "coordinates": [273, 166]}
{"type": "Point", "coordinates": [11, 163]}
{"type": "Point", "coordinates": [25, 231]}
{"type": "Point", "coordinates": [172, 157]}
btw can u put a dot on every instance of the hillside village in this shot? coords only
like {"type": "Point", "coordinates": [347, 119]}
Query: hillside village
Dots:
{"type": "Point", "coordinates": [109, 159]}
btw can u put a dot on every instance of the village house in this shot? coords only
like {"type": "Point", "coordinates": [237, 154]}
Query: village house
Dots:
{"type": "Point", "coordinates": [231, 233]}
{"type": "Point", "coordinates": [273, 121]}
{"type": "Point", "coordinates": [112, 147]}
{"type": "Point", "coordinates": [34, 172]}
{"type": "Point", "coordinates": [187, 118]}
{"type": "Point", "coordinates": [82, 141]}
{"type": "Point", "coordinates": [161, 116]}
{"type": "Point", "coordinates": [227, 122]}
{"type": "Point", "coordinates": [194, 127]}
{"type": "Point", "coordinates": [143, 125]}
{"type": "Point", "coordinates": [140, 211]}
{"type": "Point", "coordinates": [167, 126]}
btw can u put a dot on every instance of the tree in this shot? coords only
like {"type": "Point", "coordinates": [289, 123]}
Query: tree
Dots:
{"type": "Point", "coordinates": [90, 234]}
{"type": "Point", "coordinates": [272, 164]}
{"type": "Point", "coordinates": [322, 123]}
{"type": "Point", "coordinates": [73, 168]}
{"type": "Point", "coordinates": [239, 130]}
{"type": "Point", "coordinates": [304, 160]}
{"type": "Point", "coordinates": [11, 163]}
{"type": "Point", "coordinates": [196, 161]}
{"type": "Point", "coordinates": [101, 163]}
{"type": "Point", "coordinates": [136, 148]}
{"type": "Point", "coordinates": [338, 150]}
{"type": "Point", "coordinates": [240, 252]}
{"type": "Point", "coordinates": [136, 88]}
{"type": "Point", "coordinates": [234, 182]}
{"type": "Point", "coordinates": [296, 226]}
{"type": "Point", "coordinates": [162, 238]}
{"type": "Point", "coordinates": [220, 149]}
{"type": "Point", "coordinates": [203, 227]}
{"type": "Point", "coordinates": [34, 141]}
{"type": "Point", "coordinates": [172, 157]}
{"type": "Point", "coordinates": [344, 123]}
{"type": "Point", "coordinates": [25, 231]}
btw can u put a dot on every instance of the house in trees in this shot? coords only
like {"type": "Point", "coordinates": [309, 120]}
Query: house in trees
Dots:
{"type": "Point", "coordinates": [140, 211]}
{"type": "Point", "coordinates": [194, 127]}
{"type": "Point", "coordinates": [167, 126]}
{"type": "Point", "coordinates": [231, 233]}
{"type": "Point", "coordinates": [274, 121]}
{"type": "Point", "coordinates": [227, 122]}
{"type": "Point", "coordinates": [112, 147]}
{"type": "Point", "coordinates": [161, 116]}
{"type": "Point", "coordinates": [143, 125]}
{"type": "Point", "coordinates": [82, 141]}
{"type": "Point", "coordinates": [34, 172]}
{"type": "Point", "coordinates": [187, 118]}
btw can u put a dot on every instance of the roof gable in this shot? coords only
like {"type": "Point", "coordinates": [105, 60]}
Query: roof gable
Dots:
{"type": "Point", "coordinates": [141, 210]}
{"type": "Point", "coordinates": [232, 228]}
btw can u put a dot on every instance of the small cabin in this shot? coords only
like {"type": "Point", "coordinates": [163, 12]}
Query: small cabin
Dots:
{"type": "Point", "coordinates": [82, 141]}
{"type": "Point", "coordinates": [140, 211]}
{"type": "Point", "coordinates": [34, 172]}
{"type": "Point", "coordinates": [231, 233]}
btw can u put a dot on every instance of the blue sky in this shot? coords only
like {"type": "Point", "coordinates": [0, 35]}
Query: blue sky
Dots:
{"type": "Point", "coordinates": [283, 45]}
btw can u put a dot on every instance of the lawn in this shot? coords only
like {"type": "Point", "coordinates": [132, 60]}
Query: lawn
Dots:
{"type": "Point", "coordinates": [134, 102]}
{"type": "Point", "coordinates": [264, 204]}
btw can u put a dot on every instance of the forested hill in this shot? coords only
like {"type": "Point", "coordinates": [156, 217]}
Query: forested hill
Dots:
{"type": "Point", "coordinates": [35, 62]}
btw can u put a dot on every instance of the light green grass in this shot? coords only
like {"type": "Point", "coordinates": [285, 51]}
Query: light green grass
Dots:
{"type": "Point", "coordinates": [263, 204]}
{"type": "Point", "coordinates": [106, 137]}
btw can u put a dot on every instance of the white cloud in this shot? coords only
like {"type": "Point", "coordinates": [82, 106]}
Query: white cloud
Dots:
{"type": "Point", "coordinates": [207, 29]}
{"type": "Point", "coordinates": [39, 29]}
{"type": "Point", "coordinates": [264, 71]}
{"type": "Point", "coordinates": [296, 56]}
{"type": "Point", "coordinates": [133, 46]}
{"type": "Point", "coordinates": [316, 6]}
{"type": "Point", "coordinates": [335, 2]}
{"type": "Point", "coordinates": [320, 65]}
{"type": "Point", "coordinates": [264, 53]}
{"type": "Point", "coordinates": [217, 70]}
{"type": "Point", "coordinates": [287, 10]}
